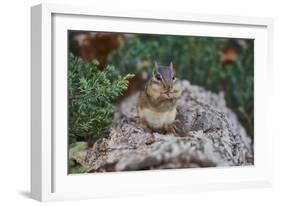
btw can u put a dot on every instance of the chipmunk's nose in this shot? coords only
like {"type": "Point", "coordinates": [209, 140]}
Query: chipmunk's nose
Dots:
{"type": "Point", "coordinates": [168, 87]}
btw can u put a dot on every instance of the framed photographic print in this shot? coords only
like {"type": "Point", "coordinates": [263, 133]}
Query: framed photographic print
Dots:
{"type": "Point", "coordinates": [138, 102]}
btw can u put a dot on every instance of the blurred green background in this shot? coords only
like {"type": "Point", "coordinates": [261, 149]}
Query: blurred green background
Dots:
{"type": "Point", "coordinates": [217, 64]}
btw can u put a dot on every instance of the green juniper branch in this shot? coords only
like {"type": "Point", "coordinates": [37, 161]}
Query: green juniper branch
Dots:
{"type": "Point", "coordinates": [91, 97]}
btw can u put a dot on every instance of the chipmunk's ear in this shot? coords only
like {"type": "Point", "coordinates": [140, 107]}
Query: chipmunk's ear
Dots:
{"type": "Point", "coordinates": [171, 65]}
{"type": "Point", "coordinates": [172, 68]}
{"type": "Point", "coordinates": [155, 68]}
{"type": "Point", "coordinates": [156, 64]}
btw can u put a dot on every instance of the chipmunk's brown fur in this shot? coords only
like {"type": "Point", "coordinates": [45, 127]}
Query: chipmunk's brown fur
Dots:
{"type": "Point", "coordinates": [157, 103]}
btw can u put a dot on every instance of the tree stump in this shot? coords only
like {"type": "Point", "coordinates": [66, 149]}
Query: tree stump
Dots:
{"type": "Point", "coordinates": [210, 135]}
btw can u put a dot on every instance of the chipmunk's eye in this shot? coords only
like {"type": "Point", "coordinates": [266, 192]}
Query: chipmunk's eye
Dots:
{"type": "Point", "coordinates": [158, 77]}
{"type": "Point", "coordinates": [173, 78]}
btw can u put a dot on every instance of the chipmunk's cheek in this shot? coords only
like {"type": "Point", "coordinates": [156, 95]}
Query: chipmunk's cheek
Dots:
{"type": "Point", "coordinates": [156, 89]}
{"type": "Point", "coordinates": [178, 86]}
{"type": "Point", "coordinates": [155, 86]}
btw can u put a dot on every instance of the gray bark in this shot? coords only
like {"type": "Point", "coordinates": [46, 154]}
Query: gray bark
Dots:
{"type": "Point", "coordinates": [210, 135]}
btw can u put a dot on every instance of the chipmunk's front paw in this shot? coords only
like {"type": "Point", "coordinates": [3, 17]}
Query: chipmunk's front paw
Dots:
{"type": "Point", "coordinates": [171, 128]}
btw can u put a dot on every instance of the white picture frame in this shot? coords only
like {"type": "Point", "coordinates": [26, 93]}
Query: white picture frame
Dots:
{"type": "Point", "coordinates": [49, 178]}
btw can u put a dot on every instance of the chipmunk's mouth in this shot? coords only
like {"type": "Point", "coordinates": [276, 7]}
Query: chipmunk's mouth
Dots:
{"type": "Point", "coordinates": [168, 93]}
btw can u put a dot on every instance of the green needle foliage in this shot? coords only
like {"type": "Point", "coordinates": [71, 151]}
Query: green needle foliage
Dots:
{"type": "Point", "coordinates": [91, 97]}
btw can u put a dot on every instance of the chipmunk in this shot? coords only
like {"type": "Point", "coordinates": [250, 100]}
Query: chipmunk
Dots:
{"type": "Point", "coordinates": [157, 103]}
